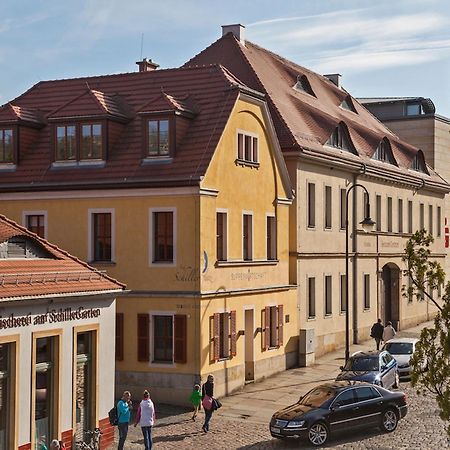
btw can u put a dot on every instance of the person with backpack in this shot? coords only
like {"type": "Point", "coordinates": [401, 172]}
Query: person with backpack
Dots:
{"type": "Point", "coordinates": [145, 417]}
{"type": "Point", "coordinates": [124, 407]}
{"type": "Point", "coordinates": [376, 332]}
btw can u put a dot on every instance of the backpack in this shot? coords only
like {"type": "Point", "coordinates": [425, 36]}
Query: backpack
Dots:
{"type": "Point", "coordinates": [113, 416]}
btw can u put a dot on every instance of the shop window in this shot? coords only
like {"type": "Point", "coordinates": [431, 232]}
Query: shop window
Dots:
{"type": "Point", "coordinates": [6, 146]}
{"type": "Point", "coordinates": [46, 407]}
{"type": "Point", "coordinates": [223, 337]}
{"type": "Point", "coordinates": [247, 237]}
{"type": "Point", "coordinates": [85, 383]}
{"type": "Point", "coordinates": [271, 233]}
{"type": "Point", "coordinates": [158, 137]}
{"type": "Point", "coordinates": [273, 320]}
{"type": "Point", "coordinates": [311, 297]}
{"type": "Point", "coordinates": [221, 236]}
{"type": "Point", "coordinates": [102, 236]}
{"type": "Point", "coordinates": [7, 397]}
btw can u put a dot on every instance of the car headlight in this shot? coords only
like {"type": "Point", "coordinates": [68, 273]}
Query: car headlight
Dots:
{"type": "Point", "coordinates": [295, 424]}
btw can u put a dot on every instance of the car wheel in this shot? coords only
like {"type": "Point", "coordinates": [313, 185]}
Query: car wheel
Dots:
{"type": "Point", "coordinates": [389, 421]}
{"type": "Point", "coordinates": [318, 434]}
{"type": "Point", "coordinates": [396, 381]}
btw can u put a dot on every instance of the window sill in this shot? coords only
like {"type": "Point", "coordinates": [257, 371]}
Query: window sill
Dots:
{"type": "Point", "coordinates": [244, 162]}
{"type": "Point", "coordinates": [310, 319]}
{"type": "Point", "coordinates": [262, 262]}
{"type": "Point", "coordinates": [8, 167]}
{"type": "Point", "coordinates": [155, 160]}
{"type": "Point", "coordinates": [93, 164]}
{"type": "Point", "coordinates": [328, 316]}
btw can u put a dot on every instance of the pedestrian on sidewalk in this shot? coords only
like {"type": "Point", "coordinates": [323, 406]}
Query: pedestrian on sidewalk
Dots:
{"type": "Point", "coordinates": [145, 417]}
{"type": "Point", "coordinates": [388, 332]}
{"type": "Point", "coordinates": [124, 407]}
{"type": "Point", "coordinates": [196, 399]}
{"type": "Point", "coordinates": [376, 332]}
{"type": "Point", "coordinates": [207, 401]}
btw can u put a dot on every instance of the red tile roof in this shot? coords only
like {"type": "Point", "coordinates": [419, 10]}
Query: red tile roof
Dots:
{"type": "Point", "coordinates": [210, 90]}
{"type": "Point", "coordinates": [305, 121]}
{"type": "Point", "coordinates": [61, 273]}
{"type": "Point", "coordinates": [12, 114]}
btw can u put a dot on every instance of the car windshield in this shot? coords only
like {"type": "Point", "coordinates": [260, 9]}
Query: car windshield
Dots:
{"type": "Point", "coordinates": [317, 397]}
{"type": "Point", "coordinates": [399, 348]}
{"type": "Point", "coordinates": [362, 364]}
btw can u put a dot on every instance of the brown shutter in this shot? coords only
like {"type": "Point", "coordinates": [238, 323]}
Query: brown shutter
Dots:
{"type": "Point", "coordinates": [280, 326]}
{"type": "Point", "coordinates": [143, 353]}
{"type": "Point", "coordinates": [180, 333]}
{"type": "Point", "coordinates": [119, 336]}
{"type": "Point", "coordinates": [233, 333]}
{"type": "Point", "coordinates": [266, 326]}
{"type": "Point", "coordinates": [216, 337]}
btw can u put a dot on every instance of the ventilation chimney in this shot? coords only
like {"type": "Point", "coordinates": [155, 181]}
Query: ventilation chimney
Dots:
{"type": "Point", "coordinates": [147, 65]}
{"type": "Point", "coordinates": [335, 78]}
{"type": "Point", "coordinates": [237, 29]}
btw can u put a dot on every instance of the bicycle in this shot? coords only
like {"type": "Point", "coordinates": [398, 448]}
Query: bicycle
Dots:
{"type": "Point", "coordinates": [94, 437]}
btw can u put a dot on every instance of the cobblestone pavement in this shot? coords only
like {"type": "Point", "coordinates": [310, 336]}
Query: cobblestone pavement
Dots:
{"type": "Point", "coordinates": [421, 429]}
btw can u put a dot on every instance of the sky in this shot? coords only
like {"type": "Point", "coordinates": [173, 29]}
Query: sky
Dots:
{"type": "Point", "coordinates": [383, 48]}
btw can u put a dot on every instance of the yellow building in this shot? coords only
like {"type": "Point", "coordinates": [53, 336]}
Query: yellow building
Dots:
{"type": "Point", "coordinates": [173, 182]}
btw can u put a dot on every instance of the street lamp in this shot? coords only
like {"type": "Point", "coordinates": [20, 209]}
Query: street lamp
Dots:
{"type": "Point", "coordinates": [367, 225]}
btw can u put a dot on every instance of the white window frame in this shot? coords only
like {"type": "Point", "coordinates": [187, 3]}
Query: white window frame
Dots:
{"type": "Point", "coordinates": [275, 237]}
{"type": "Point", "coordinates": [248, 213]}
{"type": "Point", "coordinates": [152, 314]}
{"type": "Point", "coordinates": [224, 211]}
{"type": "Point", "coordinates": [151, 226]}
{"type": "Point", "coordinates": [27, 213]}
{"type": "Point", "coordinates": [90, 253]}
{"type": "Point", "coordinates": [252, 135]}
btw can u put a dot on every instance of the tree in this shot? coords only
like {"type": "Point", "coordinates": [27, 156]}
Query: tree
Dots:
{"type": "Point", "coordinates": [430, 362]}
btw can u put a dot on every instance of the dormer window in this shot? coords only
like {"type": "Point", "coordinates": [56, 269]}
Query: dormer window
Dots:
{"type": "Point", "coordinates": [158, 137]}
{"type": "Point", "coordinates": [303, 85]}
{"type": "Point", "coordinates": [418, 163]}
{"type": "Point", "coordinates": [6, 146]}
{"type": "Point", "coordinates": [347, 104]}
{"type": "Point", "coordinates": [384, 152]}
{"type": "Point", "coordinates": [340, 139]}
{"type": "Point", "coordinates": [79, 142]}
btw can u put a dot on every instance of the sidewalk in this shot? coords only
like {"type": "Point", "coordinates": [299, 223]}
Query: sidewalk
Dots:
{"type": "Point", "coordinates": [257, 402]}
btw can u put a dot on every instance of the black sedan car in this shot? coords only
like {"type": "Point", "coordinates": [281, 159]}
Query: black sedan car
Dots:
{"type": "Point", "coordinates": [376, 367]}
{"type": "Point", "coordinates": [333, 407]}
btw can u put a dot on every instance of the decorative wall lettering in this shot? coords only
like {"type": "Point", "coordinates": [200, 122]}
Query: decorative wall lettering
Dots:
{"type": "Point", "coordinates": [187, 274]}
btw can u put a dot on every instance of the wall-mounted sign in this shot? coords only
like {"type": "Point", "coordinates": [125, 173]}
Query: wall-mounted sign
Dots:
{"type": "Point", "coordinates": [53, 316]}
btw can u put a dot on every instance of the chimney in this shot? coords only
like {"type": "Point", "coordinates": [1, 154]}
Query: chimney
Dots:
{"type": "Point", "coordinates": [335, 78]}
{"type": "Point", "coordinates": [237, 29]}
{"type": "Point", "coordinates": [147, 65]}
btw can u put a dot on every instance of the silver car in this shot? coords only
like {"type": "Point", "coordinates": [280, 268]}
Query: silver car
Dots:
{"type": "Point", "coordinates": [402, 349]}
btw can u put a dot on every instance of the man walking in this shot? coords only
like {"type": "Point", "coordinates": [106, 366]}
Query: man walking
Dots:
{"type": "Point", "coordinates": [388, 332]}
{"type": "Point", "coordinates": [124, 407]}
{"type": "Point", "coordinates": [377, 332]}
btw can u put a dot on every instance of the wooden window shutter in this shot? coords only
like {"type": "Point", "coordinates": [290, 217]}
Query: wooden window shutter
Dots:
{"type": "Point", "coordinates": [233, 333]}
{"type": "Point", "coordinates": [216, 337]}
{"type": "Point", "coordinates": [143, 352]}
{"type": "Point", "coordinates": [180, 344]}
{"type": "Point", "coordinates": [119, 336]}
{"type": "Point", "coordinates": [266, 325]}
{"type": "Point", "coordinates": [280, 326]}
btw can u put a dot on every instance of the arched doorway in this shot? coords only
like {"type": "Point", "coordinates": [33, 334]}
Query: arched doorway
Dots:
{"type": "Point", "coordinates": [390, 305]}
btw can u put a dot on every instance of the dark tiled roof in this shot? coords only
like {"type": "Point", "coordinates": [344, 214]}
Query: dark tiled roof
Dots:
{"type": "Point", "coordinates": [210, 90]}
{"type": "Point", "coordinates": [61, 273]}
{"type": "Point", "coordinates": [303, 120]}
{"type": "Point", "coordinates": [14, 113]}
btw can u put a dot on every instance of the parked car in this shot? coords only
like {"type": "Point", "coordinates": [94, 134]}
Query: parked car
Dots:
{"type": "Point", "coordinates": [339, 406]}
{"type": "Point", "coordinates": [401, 349]}
{"type": "Point", "coordinates": [376, 367]}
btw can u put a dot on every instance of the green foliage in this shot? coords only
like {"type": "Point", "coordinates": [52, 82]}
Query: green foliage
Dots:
{"type": "Point", "coordinates": [431, 361]}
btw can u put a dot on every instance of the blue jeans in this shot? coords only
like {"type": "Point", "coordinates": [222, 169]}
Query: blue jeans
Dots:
{"type": "Point", "coordinates": [123, 431]}
{"type": "Point", "coordinates": [147, 433]}
{"type": "Point", "coordinates": [208, 415]}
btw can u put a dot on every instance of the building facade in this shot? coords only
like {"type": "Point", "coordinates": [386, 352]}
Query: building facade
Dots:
{"type": "Point", "coordinates": [330, 143]}
{"type": "Point", "coordinates": [57, 363]}
{"type": "Point", "coordinates": [173, 181]}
